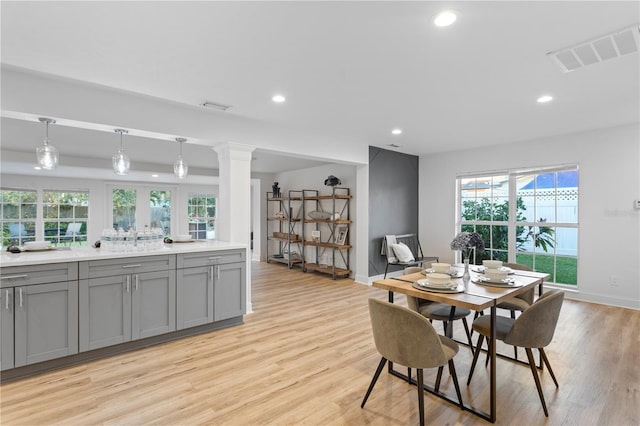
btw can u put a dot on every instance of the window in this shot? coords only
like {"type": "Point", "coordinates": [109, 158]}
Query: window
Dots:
{"type": "Point", "coordinates": [18, 216]}
{"type": "Point", "coordinates": [124, 208]}
{"type": "Point", "coordinates": [65, 216]}
{"type": "Point", "coordinates": [202, 216]}
{"type": "Point", "coordinates": [141, 206]}
{"type": "Point", "coordinates": [539, 228]}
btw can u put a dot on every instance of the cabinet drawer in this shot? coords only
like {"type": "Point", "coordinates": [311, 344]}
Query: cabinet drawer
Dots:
{"type": "Point", "coordinates": [17, 276]}
{"type": "Point", "coordinates": [126, 265]}
{"type": "Point", "coordinates": [192, 260]}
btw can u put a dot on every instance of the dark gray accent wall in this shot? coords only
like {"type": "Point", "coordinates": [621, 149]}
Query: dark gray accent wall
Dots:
{"type": "Point", "coordinates": [393, 200]}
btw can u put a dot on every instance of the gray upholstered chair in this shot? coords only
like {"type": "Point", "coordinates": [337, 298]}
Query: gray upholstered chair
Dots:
{"type": "Point", "coordinates": [438, 311]}
{"type": "Point", "coordinates": [407, 338]}
{"type": "Point", "coordinates": [519, 302]}
{"type": "Point", "coordinates": [534, 328]}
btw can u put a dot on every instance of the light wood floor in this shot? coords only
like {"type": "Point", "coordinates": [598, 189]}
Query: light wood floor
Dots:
{"type": "Point", "coordinates": [306, 356]}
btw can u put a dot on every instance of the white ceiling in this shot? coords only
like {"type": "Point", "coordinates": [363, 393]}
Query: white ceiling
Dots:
{"type": "Point", "coordinates": [351, 72]}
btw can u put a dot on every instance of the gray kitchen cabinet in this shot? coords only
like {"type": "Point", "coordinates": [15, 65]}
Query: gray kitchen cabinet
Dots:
{"type": "Point", "coordinates": [38, 313]}
{"type": "Point", "coordinates": [194, 296]}
{"type": "Point", "coordinates": [124, 301]}
{"type": "Point", "coordinates": [211, 286]}
{"type": "Point", "coordinates": [45, 322]}
{"type": "Point", "coordinates": [229, 290]}
{"type": "Point", "coordinates": [6, 328]}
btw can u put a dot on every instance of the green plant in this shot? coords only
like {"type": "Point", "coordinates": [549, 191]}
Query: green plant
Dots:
{"type": "Point", "coordinates": [495, 237]}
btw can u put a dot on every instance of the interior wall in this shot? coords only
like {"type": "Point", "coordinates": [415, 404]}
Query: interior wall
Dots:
{"type": "Point", "coordinates": [609, 232]}
{"type": "Point", "coordinates": [393, 200]}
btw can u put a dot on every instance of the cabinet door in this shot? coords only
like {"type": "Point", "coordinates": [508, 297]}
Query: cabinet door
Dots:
{"type": "Point", "coordinates": [46, 322]}
{"type": "Point", "coordinates": [6, 327]}
{"type": "Point", "coordinates": [153, 309]}
{"type": "Point", "coordinates": [105, 311]}
{"type": "Point", "coordinates": [194, 296]}
{"type": "Point", "coordinates": [229, 291]}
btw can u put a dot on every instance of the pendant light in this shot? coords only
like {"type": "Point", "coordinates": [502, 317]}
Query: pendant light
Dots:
{"type": "Point", "coordinates": [47, 154]}
{"type": "Point", "coordinates": [180, 168]}
{"type": "Point", "coordinates": [120, 159]}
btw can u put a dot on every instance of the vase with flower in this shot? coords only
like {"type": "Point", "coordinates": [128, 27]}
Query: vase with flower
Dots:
{"type": "Point", "coordinates": [466, 242]}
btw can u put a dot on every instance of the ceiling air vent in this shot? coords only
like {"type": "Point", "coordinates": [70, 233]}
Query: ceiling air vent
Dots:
{"type": "Point", "coordinates": [215, 105]}
{"type": "Point", "coordinates": [616, 44]}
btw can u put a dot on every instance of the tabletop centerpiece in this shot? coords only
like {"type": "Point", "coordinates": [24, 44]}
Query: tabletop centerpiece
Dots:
{"type": "Point", "coordinates": [466, 242]}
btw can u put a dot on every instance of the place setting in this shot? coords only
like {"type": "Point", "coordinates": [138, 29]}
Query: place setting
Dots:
{"type": "Point", "coordinates": [439, 283]}
{"type": "Point", "coordinates": [442, 268]}
{"type": "Point", "coordinates": [495, 277]}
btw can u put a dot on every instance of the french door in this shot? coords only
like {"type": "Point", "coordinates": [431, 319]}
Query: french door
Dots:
{"type": "Point", "coordinates": [140, 206]}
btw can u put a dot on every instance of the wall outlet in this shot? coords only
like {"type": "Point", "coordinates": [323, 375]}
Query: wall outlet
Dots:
{"type": "Point", "coordinates": [614, 280]}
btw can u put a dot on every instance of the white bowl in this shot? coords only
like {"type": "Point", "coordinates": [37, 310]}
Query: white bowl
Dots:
{"type": "Point", "coordinates": [443, 268]}
{"type": "Point", "coordinates": [37, 245]}
{"type": "Point", "coordinates": [182, 237]}
{"type": "Point", "coordinates": [439, 279]}
{"type": "Point", "coordinates": [492, 264]}
{"type": "Point", "coordinates": [496, 274]}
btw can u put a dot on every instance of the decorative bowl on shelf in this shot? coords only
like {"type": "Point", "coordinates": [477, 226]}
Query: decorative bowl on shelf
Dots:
{"type": "Point", "coordinates": [319, 215]}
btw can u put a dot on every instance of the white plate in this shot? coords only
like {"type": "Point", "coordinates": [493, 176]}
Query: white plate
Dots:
{"type": "Point", "coordinates": [39, 249]}
{"type": "Point", "coordinates": [426, 283]}
{"type": "Point", "coordinates": [507, 282]}
{"type": "Point", "coordinates": [453, 272]}
{"type": "Point", "coordinates": [183, 241]}
{"type": "Point", "coordinates": [480, 269]}
{"type": "Point", "coordinates": [37, 245]}
{"type": "Point", "coordinates": [457, 289]}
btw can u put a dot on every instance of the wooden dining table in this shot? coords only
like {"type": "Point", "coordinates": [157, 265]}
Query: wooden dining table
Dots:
{"type": "Point", "coordinates": [477, 296]}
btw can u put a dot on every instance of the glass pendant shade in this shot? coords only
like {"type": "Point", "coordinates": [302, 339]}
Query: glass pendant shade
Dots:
{"type": "Point", "coordinates": [47, 155]}
{"type": "Point", "coordinates": [120, 159]}
{"type": "Point", "coordinates": [180, 168]}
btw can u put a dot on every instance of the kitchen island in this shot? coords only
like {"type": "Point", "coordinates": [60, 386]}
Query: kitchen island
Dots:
{"type": "Point", "coordinates": [68, 305]}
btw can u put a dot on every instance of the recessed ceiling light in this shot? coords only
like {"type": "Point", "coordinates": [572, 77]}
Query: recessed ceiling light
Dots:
{"type": "Point", "coordinates": [155, 175]}
{"type": "Point", "coordinates": [278, 98]}
{"type": "Point", "coordinates": [37, 168]}
{"type": "Point", "coordinates": [545, 98]}
{"type": "Point", "coordinates": [445, 18]}
{"type": "Point", "coordinates": [396, 132]}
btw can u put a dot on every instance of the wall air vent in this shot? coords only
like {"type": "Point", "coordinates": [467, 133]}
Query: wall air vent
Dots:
{"type": "Point", "coordinates": [214, 105]}
{"type": "Point", "coordinates": [614, 45]}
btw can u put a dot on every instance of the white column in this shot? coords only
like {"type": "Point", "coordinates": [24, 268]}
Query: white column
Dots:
{"type": "Point", "coordinates": [233, 208]}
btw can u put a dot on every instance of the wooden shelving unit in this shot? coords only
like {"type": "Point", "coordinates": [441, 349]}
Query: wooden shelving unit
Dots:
{"type": "Point", "coordinates": [330, 254]}
{"type": "Point", "coordinates": [284, 244]}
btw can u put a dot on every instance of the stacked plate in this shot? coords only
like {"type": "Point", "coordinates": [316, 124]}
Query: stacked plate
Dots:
{"type": "Point", "coordinates": [37, 245]}
{"type": "Point", "coordinates": [182, 238]}
{"type": "Point", "coordinates": [454, 273]}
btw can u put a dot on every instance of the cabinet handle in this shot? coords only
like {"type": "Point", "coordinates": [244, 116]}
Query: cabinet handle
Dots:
{"type": "Point", "coordinates": [218, 272]}
{"type": "Point", "coordinates": [6, 299]}
{"type": "Point", "coordinates": [131, 266]}
{"type": "Point", "coordinates": [211, 274]}
{"type": "Point", "coordinates": [20, 291]}
{"type": "Point", "coordinates": [215, 258]}
{"type": "Point", "coordinates": [128, 282]}
{"type": "Point", "coordinates": [11, 277]}
{"type": "Point", "coordinates": [135, 282]}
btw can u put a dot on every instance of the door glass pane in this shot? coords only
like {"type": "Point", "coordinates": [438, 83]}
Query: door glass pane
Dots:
{"type": "Point", "coordinates": [160, 203]}
{"type": "Point", "coordinates": [124, 208]}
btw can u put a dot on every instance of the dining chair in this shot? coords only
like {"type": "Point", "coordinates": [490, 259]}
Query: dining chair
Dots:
{"type": "Point", "coordinates": [438, 311]}
{"type": "Point", "coordinates": [404, 337]}
{"type": "Point", "coordinates": [534, 328]}
{"type": "Point", "coordinates": [520, 302]}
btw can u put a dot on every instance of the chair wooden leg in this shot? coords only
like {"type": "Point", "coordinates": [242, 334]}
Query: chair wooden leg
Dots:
{"type": "Point", "coordinates": [532, 364]}
{"type": "Point", "coordinates": [475, 358]}
{"type": "Point", "coordinates": [421, 396]}
{"type": "Point", "coordinates": [409, 374]}
{"type": "Point", "coordinates": [466, 330]}
{"type": "Point", "coordinates": [438, 379]}
{"type": "Point", "coordinates": [383, 361]}
{"type": "Point", "coordinates": [515, 348]}
{"type": "Point", "coordinates": [543, 355]}
{"type": "Point", "coordinates": [452, 371]}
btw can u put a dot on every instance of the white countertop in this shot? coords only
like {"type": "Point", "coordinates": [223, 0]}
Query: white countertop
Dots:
{"type": "Point", "coordinates": [80, 254]}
